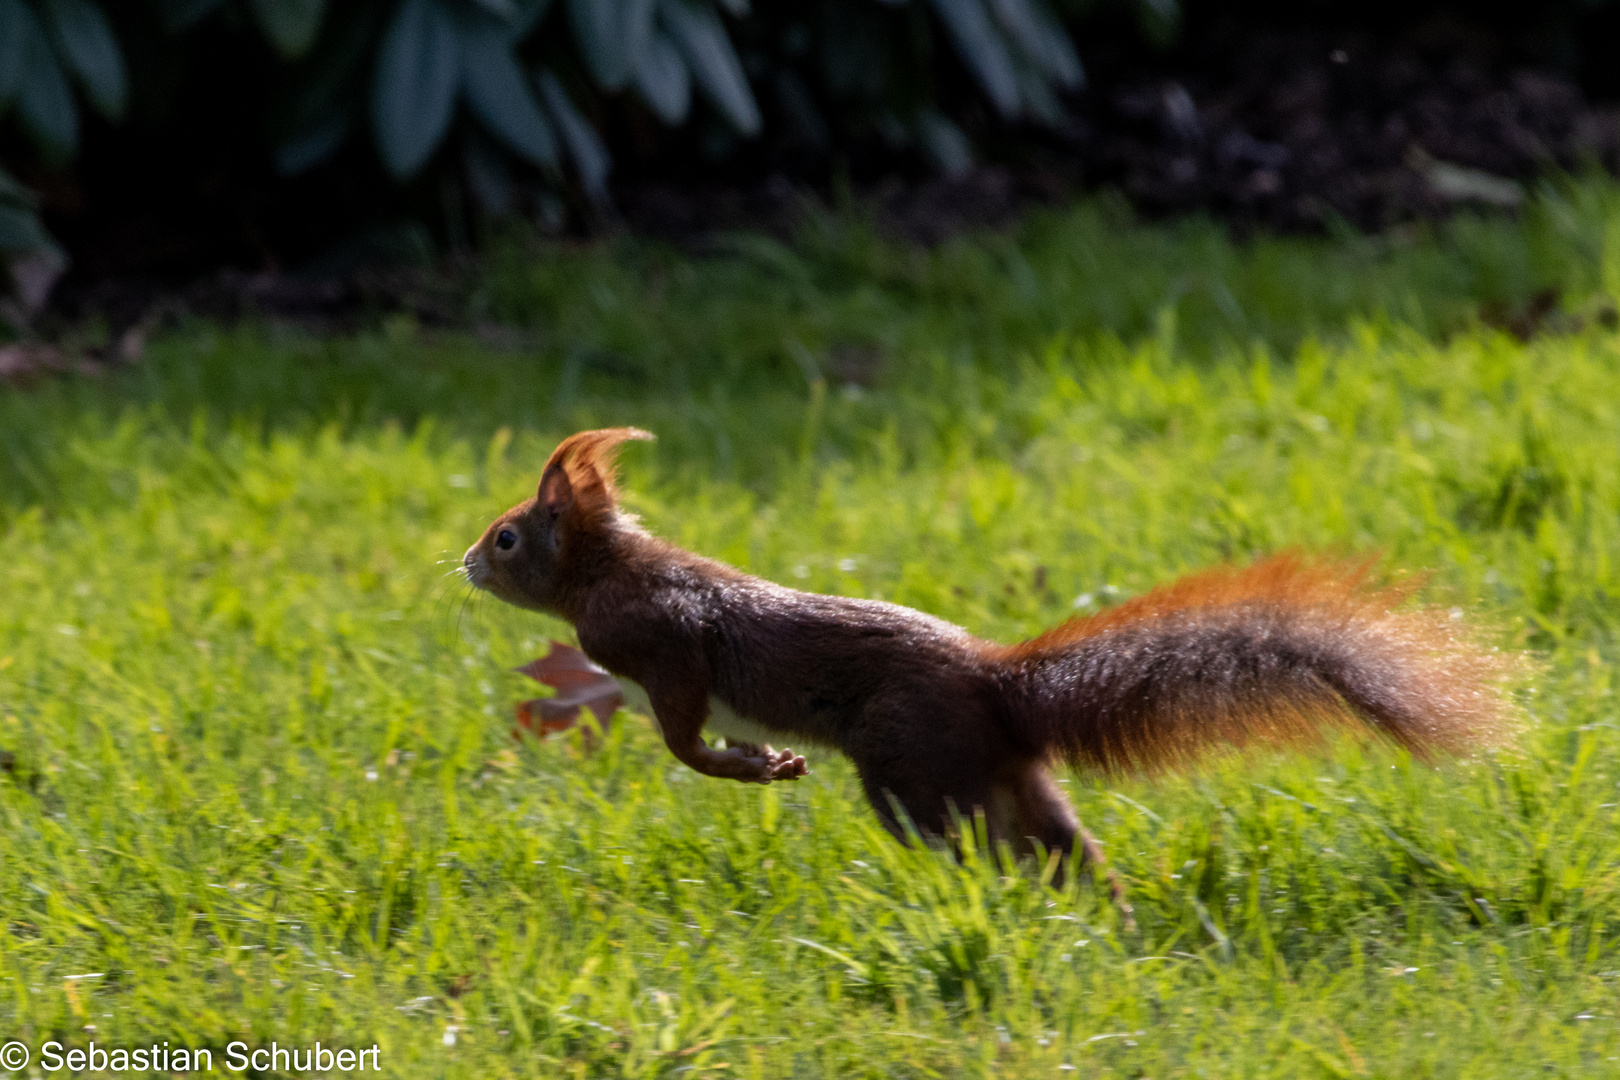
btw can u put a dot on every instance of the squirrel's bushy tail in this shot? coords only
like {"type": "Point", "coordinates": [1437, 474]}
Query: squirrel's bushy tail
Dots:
{"type": "Point", "coordinates": [1274, 653]}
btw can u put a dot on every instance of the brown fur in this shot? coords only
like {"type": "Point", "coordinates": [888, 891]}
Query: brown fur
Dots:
{"type": "Point", "coordinates": [1273, 653]}
{"type": "Point", "coordinates": [937, 721]}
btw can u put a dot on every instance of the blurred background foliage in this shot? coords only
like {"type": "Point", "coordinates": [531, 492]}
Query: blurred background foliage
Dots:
{"type": "Point", "coordinates": [514, 96]}
{"type": "Point", "coordinates": [472, 109]}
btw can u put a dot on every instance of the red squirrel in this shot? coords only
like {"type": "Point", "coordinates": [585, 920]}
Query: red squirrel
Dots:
{"type": "Point", "coordinates": [939, 722]}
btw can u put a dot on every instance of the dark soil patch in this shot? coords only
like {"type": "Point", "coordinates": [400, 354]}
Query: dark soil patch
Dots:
{"type": "Point", "coordinates": [1288, 131]}
{"type": "Point", "coordinates": [1296, 130]}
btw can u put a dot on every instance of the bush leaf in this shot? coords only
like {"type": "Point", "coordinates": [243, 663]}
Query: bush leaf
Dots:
{"type": "Point", "coordinates": [1040, 104]}
{"type": "Point", "coordinates": [181, 14]}
{"type": "Point", "coordinates": [981, 46]}
{"type": "Point", "coordinates": [313, 145]}
{"type": "Point", "coordinates": [698, 33]}
{"type": "Point", "coordinates": [526, 14]}
{"type": "Point", "coordinates": [944, 143]}
{"type": "Point", "coordinates": [415, 88]}
{"type": "Point", "coordinates": [43, 97]}
{"type": "Point", "coordinates": [1036, 31]}
{"type": "Point", "coordinates": [663, 81]}
{"type": "Point", "coordinates": [291, 25]}
{"type": "Point", "coordinates": [612, 35]}
{"type": "Point", "coordinates": [86, 42]}
{"type": "Point", "coordinates": [591, 159]}
{"type": "Point", "coordinates": [317, 118]}
{"type": "Point", "coordinates": [12, 191]}
{"type": "Point", "coordinates": [12, 56]}
{"type": "Point", "coordinates": [499, 95]}
{"type": "Point", "coordinates": [504, 10]}
{"type": "Point", "coordinates": [20, 229]}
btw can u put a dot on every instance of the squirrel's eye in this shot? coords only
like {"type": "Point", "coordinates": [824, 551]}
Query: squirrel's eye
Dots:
{"type": "Point", "coordinates": [506, 540]}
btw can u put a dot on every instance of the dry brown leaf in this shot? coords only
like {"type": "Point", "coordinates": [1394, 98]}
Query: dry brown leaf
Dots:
{"type": "Point", "coordinates": [579, 684]}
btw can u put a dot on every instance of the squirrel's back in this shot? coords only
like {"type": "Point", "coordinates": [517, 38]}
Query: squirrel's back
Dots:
{"type": "Point", "coordinates": [808, 664]}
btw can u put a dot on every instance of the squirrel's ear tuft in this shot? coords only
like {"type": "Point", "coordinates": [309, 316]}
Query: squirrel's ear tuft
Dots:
{"type": "Point", "coordinates": [556, 492]}
{"type": "Point", "coordinates": [582, 468]}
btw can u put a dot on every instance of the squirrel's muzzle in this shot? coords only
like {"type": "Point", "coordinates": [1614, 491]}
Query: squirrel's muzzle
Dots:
{"type": "Point", "coordinates": [477, 569]}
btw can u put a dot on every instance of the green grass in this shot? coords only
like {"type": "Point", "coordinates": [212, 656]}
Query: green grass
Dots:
{"type": "Point", "coordinates": [261, 779]}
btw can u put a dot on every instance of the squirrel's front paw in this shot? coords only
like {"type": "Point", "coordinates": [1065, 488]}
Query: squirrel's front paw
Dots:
{"type": "Point", "coordinates": [783, 765]}
{"type": "Point", "coordinates": [786, 765]}
{"type": "Point", "coordinates": [761, 765]}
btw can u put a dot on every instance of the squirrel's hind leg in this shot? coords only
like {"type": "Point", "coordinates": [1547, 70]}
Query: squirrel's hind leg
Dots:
{"type": "Point", "coordinates": [1020, 802]}
{"type": "Point", "coordinates": [921, 803]}
{"type": "Point", "coordinates": [1022, 805]}
{"type": "Point", "coordinates": [1031, 813]}
{"type": "Point", "coordinates": [1041, 813]}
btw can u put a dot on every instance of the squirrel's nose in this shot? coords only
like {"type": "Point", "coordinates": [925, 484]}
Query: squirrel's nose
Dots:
{"type": "Point", "coordinates": [471, 561]}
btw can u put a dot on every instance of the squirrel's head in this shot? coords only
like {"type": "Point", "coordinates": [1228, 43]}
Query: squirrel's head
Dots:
{"type": "Point", "coordinates": [531, 554]}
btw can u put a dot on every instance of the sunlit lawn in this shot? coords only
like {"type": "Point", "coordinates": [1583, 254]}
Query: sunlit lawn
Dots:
{"type": "Point", "coordinates": [260, 781]}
